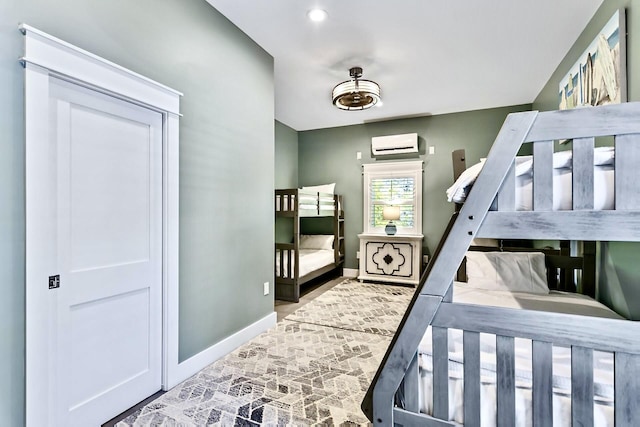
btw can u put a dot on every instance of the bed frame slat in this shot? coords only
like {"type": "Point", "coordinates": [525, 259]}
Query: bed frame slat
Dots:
{"type": "Point", "coordinates": [405, 418]}
{"type": "Point", "coordinates": [583, 173]}
{"type": "Point", "coordinates": [471, 351]}
{"type": "Point", "coordinates": [505, 381]}
{"type": "Point", "coordinates": [507, 193]}
{"type": "Point", "coordinates": [563, 225]}
{"type": "Point", "coordinates": [627, 174]}
{"type": "Point", "coordinates": [606, 120]}
{"type": "Point", "coordinates": [542, 367]}
{"type": "Point", "coordinates": [627, 389]}
{"type": "Point", "coordinates": [560, 329]}
{"type": "Point", "coordinates": [411, 386]}
{"type": "Point", "coordinates": [582, 386]}
{"type": "Point", "coordinates": [440, 345]}
{"type": "Point", "coordinates": [543, 176]}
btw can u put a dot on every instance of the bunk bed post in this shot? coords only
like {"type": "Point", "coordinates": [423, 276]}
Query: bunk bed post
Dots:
{"type": "Point", "coordinates": [296, 249]}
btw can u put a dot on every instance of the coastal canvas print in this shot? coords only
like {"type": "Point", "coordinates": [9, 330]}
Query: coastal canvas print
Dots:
{"type": "Point", "coordinates": [599, 75]}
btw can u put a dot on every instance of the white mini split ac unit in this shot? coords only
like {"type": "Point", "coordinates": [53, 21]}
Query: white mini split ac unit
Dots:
{"type": "Point", "coordinates": [394, 144]}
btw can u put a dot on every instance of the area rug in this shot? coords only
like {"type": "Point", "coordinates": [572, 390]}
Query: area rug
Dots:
{"type": "Point", "coordinates": [364, 307]}
{"type": "Point", "coordinates": [313, 368]}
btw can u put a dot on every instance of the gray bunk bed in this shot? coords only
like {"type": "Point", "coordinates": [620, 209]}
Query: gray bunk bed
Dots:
{"type": "Point", "coordinates": [490, 211]}
{"type": "Point", "coordinates": [296, 204]}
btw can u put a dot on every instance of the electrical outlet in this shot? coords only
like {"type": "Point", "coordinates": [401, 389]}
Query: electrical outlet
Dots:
{"type": "Point", "coordinates": [432, 149]}
{"type": "Point", "coordinates": [425, 259]}
{"type": "Point", "coordinates": [358, 155]}
{"type": "Point", "coordinates": [266, 288]}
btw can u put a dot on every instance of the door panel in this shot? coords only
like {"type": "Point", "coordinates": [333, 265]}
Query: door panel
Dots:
{"type": "Point", "coordinates": [107, 338]}
{"type": "Point", "coordinates": [109, 191]}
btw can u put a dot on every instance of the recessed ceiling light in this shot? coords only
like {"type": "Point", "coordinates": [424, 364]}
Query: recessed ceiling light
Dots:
{"type": "Point", "coordinates": [317, 15]}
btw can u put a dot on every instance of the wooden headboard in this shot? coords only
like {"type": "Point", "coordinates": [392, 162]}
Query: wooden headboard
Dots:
{"type": "Point", "coordinates": [560, 268]}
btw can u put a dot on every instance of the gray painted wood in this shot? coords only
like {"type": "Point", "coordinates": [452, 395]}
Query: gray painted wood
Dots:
{"type": "Point", "coordinates": [410, 419]}
{"type": "Point", "coordinates": [411, 386]}
{"type": "Point", "coordinates": [627, 173]}
{"type": "Point", "coordinates": [582, 386]}
{"type": "Point", "coordinates": [440, 356]}
{"type": "Point", "coordinates": [507, 193]}
{"type": "Point", "coordinates": [458, 158]}
{"type": "Point", "coordinates": [583, 173]}
{"type": "Point", "coordinates": [471, 351]}
{"type": "Point", "coordinates": [561, 329]}
{"type": "Point", "coordinates": [605, 334]}
{"type": "Point", "coordinates": [606, 120]}
{"type": "Point", "coordinates": [448, 296]}
{"type": "Point", "coordinates": [542, 385]}
{"type": "Point", "coordinates": [477, 204]}
{"type": "Point", "coordinates": [395, 363]}
{"type": "Point", "coordinates": [627, 389]}
{"type": "Point", "coordinates": [543, 176]}
{"type": "Point", "coordinates": [563, 225]}
{"type": "Point", "coordinates": [505, 381]}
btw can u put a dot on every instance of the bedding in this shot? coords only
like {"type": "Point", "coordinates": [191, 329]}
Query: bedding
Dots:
{"type": "Point", "coordinates": [507, 271]}
{"type": "Point", "coordinates": [316, 241]}
{"type": "Point", "coordinates": [554, 301]}
{"type": "Point", "coordinates": [310, 260]}
{"type": "Point", "coordinates": [604, 158]}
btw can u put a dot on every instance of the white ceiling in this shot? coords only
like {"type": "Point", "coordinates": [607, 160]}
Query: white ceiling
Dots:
{"type": "Point", "coordinates": [429, 57]}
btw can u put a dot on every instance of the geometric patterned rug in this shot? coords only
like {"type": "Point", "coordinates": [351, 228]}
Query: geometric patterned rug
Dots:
{"type": "Point", "coordinates": [312, 368]}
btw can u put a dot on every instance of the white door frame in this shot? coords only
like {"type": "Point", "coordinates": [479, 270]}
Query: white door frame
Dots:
{"type": "Point", "coordinates": [45, 57]}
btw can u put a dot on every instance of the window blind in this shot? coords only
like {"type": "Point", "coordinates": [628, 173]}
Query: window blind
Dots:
{"type": "Point", "coordinates": [396, 191]}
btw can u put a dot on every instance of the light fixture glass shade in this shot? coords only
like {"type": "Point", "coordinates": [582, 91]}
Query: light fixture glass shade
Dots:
{"type": "Point", "coordinates": [391, 213]}
{"type": "Point", "coordinates": [356, 94]}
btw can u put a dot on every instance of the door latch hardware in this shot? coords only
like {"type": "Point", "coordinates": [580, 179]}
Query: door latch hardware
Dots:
{"type": "Point", "coordinates": [54, 281]}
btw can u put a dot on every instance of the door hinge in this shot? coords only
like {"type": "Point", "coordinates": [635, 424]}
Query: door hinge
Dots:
{"type": "Point", "coordinates": [54, 281]}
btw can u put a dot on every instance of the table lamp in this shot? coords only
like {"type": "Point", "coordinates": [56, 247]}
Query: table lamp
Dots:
{"type": "Point", "coordinates": [391, 213]}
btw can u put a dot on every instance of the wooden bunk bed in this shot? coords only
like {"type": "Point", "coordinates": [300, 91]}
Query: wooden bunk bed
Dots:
{"type": "Point", "coordinates": [290, 268]}
{"type": "Point", "coordinates": [490, 211]}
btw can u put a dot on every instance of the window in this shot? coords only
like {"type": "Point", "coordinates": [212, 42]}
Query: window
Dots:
{"type": "Point", "coordinates": [393, 184]}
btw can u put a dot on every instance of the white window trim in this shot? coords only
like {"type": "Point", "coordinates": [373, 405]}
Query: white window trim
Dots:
{"type": "Point", "coordinates": [378, 170]}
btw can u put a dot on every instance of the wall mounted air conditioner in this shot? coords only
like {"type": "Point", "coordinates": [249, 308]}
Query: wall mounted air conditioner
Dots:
{"type": "Point", "coordinates": [394, 144]}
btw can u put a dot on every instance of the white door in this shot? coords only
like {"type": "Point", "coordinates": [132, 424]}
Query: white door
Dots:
{"type": "Point", "coordinates": [106, 325]}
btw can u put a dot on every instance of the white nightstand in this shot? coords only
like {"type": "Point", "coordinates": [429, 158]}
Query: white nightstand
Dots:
{"type": "Point", "coordinates": [395, 259]}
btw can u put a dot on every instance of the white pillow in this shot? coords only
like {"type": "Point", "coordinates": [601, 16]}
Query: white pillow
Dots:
{"type": "Point", "coordinates": [507, 271]}
{"type": "Point", "coordinates": [326, 188]}
{"type": "Point", "coordinates": [316, 241]}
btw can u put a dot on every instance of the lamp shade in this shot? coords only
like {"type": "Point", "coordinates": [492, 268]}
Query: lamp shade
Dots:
{"type": "Point", "coordinates": [391, 212]}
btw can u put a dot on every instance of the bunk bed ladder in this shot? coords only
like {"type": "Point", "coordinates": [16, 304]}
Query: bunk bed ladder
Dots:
{"type": "Point", "coordinates": [437, 279]}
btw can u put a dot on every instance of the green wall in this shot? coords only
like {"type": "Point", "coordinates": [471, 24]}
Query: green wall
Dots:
{"type": "Point", "coordinates": [286, 164]}
{"type": "Point", "coordinates": [618, 268]}
{"type": "Point", "coordinates": [329, 155]}
{"type": "Point", "coordinates": [286, 156]}
{"type": "Point", "coordinates": [226, 159]}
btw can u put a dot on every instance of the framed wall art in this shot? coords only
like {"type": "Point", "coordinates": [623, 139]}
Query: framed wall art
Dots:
{"type": "Point", "coordinates": [600, 75]}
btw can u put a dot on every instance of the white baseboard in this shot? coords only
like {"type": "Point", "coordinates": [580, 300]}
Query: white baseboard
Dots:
{"type": "Point", "coordinates": [196, 363]}
{"type": "Point", "coordinates": [350, 272]}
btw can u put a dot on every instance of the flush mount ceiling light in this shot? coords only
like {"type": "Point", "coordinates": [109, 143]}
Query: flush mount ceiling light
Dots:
{"type": "Point", "coordinates": [356, 94]}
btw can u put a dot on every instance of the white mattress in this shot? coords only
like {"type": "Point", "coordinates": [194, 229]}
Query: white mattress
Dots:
{"type": "Point", "coordinates": [555, 301]}
{"type": "Point", "coordinates": [310, 260]}
{"type": "Point", "coordinates": [562, 181]}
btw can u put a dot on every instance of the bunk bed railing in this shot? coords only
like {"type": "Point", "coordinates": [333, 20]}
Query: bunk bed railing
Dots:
{"type": "Point", "coordinates": [431, 304]}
